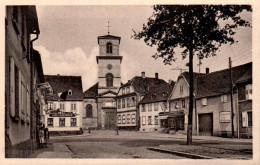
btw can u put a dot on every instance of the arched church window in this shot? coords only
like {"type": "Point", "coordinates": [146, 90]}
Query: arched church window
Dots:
{"type": "Point", "coordinates": [109, 80]}
{"type": "Point", "coordinates": [109, 47]}
{"type": "Point", "coordinates": [89, 110]}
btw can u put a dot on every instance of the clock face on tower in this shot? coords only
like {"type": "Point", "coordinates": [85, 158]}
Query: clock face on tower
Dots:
{"type": "Point", "coordinates": [109, 66]}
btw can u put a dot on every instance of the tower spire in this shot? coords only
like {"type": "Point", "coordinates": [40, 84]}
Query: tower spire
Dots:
{"type": "Point", "coordinates": [108, 27]}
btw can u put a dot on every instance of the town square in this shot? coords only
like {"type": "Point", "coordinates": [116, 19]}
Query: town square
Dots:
{"type": "Point", "coordinates": [129, 82]}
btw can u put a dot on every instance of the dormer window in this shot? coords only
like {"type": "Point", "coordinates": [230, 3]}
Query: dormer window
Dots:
{"type": "Point", "coordinates": [70, 92]}
{"type": "Point", "coordinates": [109, 48]}
{"type": "Point", "coordinates": [153, 96]}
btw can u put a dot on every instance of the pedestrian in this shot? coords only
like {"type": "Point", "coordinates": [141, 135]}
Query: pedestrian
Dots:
{"type": "Point", "coordinates": [41, 137]}
{"type": "Point", "coordinates": [46, 136]}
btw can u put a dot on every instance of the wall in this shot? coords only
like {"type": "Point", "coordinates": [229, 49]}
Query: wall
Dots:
{"type": "Point", "coordinates": [215, 106]}
{"type": "Point", "coordinates": [102, 47]}
{"type": "Point", "coordinates": [90, 122]}
{"type": "Point", "coordinates": [146, 127]}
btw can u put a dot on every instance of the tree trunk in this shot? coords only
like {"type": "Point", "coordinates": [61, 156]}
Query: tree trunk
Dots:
{"type": "Point", "coordinates": [189, 131]}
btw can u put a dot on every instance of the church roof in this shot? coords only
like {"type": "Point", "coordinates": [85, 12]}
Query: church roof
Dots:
{"type": "Point", "coordinates": [218, 83]}
{"type": "Point", "coordinates": [62, 84]}
{"type": "Point", "coordinates": [142, 85]}
{"type": "Point", "coordinates": [158, 93]}
{"type": "Point", "coordinates": [92, 92]}
{"type": "Point", "coordinates": [109, 37]}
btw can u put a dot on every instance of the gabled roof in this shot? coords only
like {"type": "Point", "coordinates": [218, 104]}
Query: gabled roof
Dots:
{"type": "Point", "coordinates": [62, 84]}
{"type": "Point", "coordinates": [109, 37]}
{"type": "Point", "coordinates": [107, 92]}
{"type": "Point", "coordinates": [195, 76]}
{"type": "Point", "coordinates": [158, 93]}
{"type": "Point", "coordinates": [38, 65]}
{"type": "Point", "coordinates": [92, 92]}
{"type": "Point", "coordinates": [217, 83]}
{"type": "Point", "coordinates": [142, 85]}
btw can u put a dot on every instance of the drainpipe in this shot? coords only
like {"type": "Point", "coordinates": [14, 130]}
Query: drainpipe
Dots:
{"type": "Point", "coordinates": [32, 94]}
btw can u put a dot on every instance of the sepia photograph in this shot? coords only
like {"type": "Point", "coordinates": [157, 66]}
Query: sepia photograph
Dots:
{"type": "Point", "coordinates": [143, 82]}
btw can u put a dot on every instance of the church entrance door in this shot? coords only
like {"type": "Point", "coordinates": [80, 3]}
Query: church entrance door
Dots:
{"type": "Point", "coordinates": [110, 120]}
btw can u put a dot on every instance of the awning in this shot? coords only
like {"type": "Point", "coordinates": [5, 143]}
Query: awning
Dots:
{"type": "Point", "coordinates": [162, 117]}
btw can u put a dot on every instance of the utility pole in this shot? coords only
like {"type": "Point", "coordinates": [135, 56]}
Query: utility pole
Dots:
{"type": "Point", "coordinates": [231, 95]}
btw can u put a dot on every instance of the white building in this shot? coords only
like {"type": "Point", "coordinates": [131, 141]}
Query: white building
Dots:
{"type": "Point", "coordinates": [64, 111]}
{"type": "Point", "coordinates": [153, 106]}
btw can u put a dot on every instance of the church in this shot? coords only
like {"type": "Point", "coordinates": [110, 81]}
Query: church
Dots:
{"type": "Point", "coordinates": [99, 106]}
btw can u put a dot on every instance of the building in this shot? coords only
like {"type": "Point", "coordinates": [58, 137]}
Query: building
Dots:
{"type": "Point", "coordinates": [63, 113]}
{"type": "Point", "coordinates": [244, 89]}
{"type": "Point", "coordinates": [23, 70]}
{"type": "Point", "coordinates": [99, 106]}
{"type": "Point", "coordinates": [128, 97]}
{"type": "Point", "coordinates": [152, 105]}
{"type": "Point", "coordinates": [179, 104]}
{"type": "Point", "coordinates": [214, 101]}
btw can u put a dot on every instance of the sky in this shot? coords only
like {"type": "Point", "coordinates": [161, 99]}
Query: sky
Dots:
{"type": "Point", "coordinates": [68, 43]}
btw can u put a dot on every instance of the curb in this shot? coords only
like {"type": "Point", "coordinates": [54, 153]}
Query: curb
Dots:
{"type": "Point", "coordinates": [184, 154]}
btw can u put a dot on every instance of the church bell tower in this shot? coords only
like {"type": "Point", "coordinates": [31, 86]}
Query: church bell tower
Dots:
{"type": "Point", "coordinates": [109, 64]}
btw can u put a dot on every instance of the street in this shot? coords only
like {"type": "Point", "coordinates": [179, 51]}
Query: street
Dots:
{"type": "Point", "coordinates": [133, 145]}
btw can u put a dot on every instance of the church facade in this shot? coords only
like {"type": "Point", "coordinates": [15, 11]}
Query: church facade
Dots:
{"type": "Point", "coordinates": [99, 106]}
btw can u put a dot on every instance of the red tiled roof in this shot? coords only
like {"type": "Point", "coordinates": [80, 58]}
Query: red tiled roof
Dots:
{"type": "Point", "coordinates": [92, 92]}
{"type": "Point", "coordinates": [217, 83]}
{"type": "Point", "coordinates": [158, 93]}
{"type": "Point", "coordinates": [61, 84]}
{"type": "Point", "coordinates": [142, 85]}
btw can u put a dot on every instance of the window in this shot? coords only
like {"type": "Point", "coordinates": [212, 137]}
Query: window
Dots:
{"type": "Point", "coordinates": [73, 122]}
{"type": "Point", "coordinates": [73, 106]}
{"type": "Point", "coordinates": [50, 122]}
{"type": "Point", "coordinates": [128, 90]}
{"type": "Point", "coordinates": [70, 92]}
{"type": "Point", "coordinates": [109, 47]}
{"type": "Point", "coordinates": [150, 106]}
{"type": "Point", "coordinates": [156, 105]}
{"type": "Point", "coordinates": [50, 105]}
{"type": "Point", "coordinates": [204, 101]}
{"type": "Point", "coordinates": [123, 119]}
{"type": "Point", "coordinates": [223, 98]}
{"type": "Point", "coordinates": [247, 119]}
{"type": "Point", "coordinates": [143, 107]}
{"type": "Point", "coordinates": [123, 103]}
{"type": "Point", "coordinates": [118, 104]}
{"type": "Point", "coordinates": [224, 117]}
{"type": "Point", "coordinates": [62, 107]}
{"type": "Point", "coordinates": [181, 88]}
{"type": "Point", "coordinates": [119, 119]}
{"type": "Point", "coordinates": [133, 102]}
{"type": "Point", "coordinates": [133, 118]}
{"type": "Point", "coordinates": [156, 120]}
{"type": "Point", "coordinates": [128, 102]}
{"type": "Point", "coordinates": [62, 122]}
{"type": "Point", "coordinates": [123, 91]}
{"type": "Point", "coordinates": [149, 120]}
{"type": "Point", "coordinates": [249, 91]}
{"type": "Point", "coordinates": [128, 119]}
{"type": "Point", "coordinates": [109, 80]}
{"type": "Point", "coordinates": [17, 91]}
{"type": "Point", "coordinates": [89, 110]}
{"type": "Point", "coordinates": [165, 106]}
{"type": "Point", "coordinates": [143, 120]}
{"type": "Point", "coordinates": [183, 103]}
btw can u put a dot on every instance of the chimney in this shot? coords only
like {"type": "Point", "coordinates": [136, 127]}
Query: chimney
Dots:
{"type": "Point", "coordinates": [207, 70]}
{"type": "Point", "coordinates": [170, 81]}
{"type": "Point", "coordinates": [156, 75]}
{"type": "Point", "coordinates": [143, 74]}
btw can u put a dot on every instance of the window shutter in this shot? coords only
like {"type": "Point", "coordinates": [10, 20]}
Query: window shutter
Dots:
{"type": "Point", "coordinates": [12, 86]}
{"type": "Point", "coordinates": [20, 94]}
{"type": "Point", "coordinates": [186, 119]}
{"type": "Point", "coordinates": [244, 119]}
{"type": "Point", "coordinates": [28, 104]}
